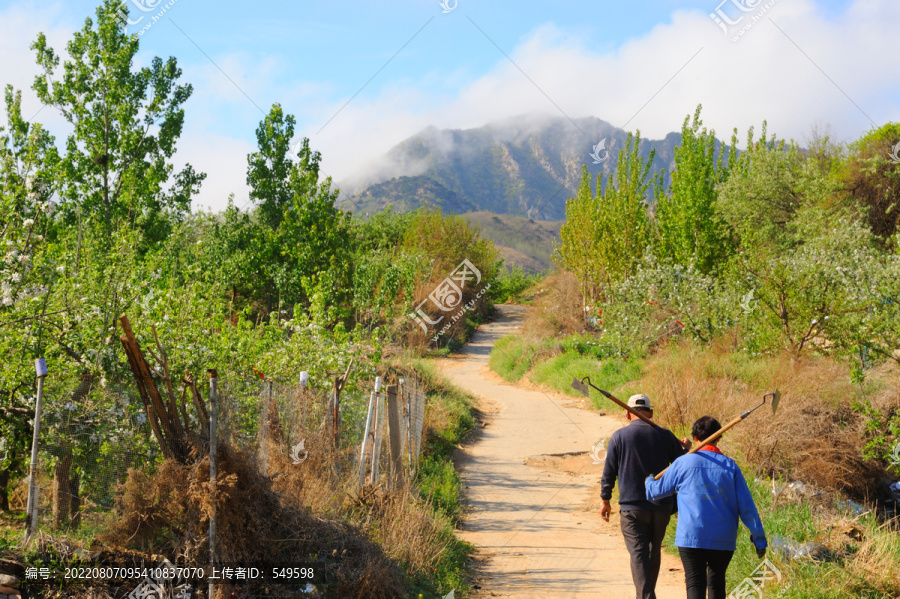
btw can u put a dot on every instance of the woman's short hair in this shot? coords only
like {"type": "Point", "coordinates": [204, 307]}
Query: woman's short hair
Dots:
{"type": "Point", "coordinates": [704, 427]}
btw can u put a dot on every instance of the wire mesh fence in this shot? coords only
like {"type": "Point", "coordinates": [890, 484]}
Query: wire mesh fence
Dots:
{"type": "Point", "coordinates": [92, 435]}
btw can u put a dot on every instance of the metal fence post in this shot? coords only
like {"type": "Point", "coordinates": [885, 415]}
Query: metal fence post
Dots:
{"type": "Point", "coordinates": [213, 425]}
{"type": "Point", "coordinates": [365, 440]}
{"type": "Point", "coordinates": [31, 510]}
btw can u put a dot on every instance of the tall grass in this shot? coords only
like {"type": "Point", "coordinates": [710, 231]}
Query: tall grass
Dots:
{"type": "Point", "coordinates": [448, 419]}
{"type": "Point", "coordinates": [869, 568]}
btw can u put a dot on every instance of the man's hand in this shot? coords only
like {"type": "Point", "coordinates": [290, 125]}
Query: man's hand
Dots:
{"type": "Point", "coordinates": [605, 510]}
{"type": "Point", "coordinates": [760, 552]}
{"type": "Point", "coordinates": [686, 444]}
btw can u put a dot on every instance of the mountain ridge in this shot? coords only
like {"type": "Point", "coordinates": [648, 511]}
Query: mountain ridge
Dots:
{"type": "Point", "coordinates": [524, 166]}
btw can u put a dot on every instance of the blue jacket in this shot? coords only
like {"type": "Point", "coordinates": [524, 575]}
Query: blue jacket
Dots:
{"type": "Point", "coordinates": [712, 495]}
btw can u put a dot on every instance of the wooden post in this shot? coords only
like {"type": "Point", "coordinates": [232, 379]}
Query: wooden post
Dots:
{"type": "Point", "coordinates": [336, 413]}
{"type": "Point", "coordinates": [213, 425]}
{"type": "Point", "coordinates": [31, 510]}
{"type": "Point", "coordinates": [377, 437]}
{"type": "Point", "coordinates": [394, 426]}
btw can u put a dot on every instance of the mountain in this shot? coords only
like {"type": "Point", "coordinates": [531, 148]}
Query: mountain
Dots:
{"type": "Point", "coordinates": [522, 242]}
{"type": "Point", "coordinates": [526, 166]}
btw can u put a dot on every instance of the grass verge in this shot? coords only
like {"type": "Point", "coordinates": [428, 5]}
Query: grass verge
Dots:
{"type": "Point", "coordinates": [555, 363]}
{"type": "Point", "coordinates": [449, 418]}
{"type": "Point", "coordinates": [862, 559]}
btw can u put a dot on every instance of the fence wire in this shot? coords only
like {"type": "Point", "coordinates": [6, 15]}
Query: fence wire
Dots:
{"type": "Point", "coordinates": [91, 435]}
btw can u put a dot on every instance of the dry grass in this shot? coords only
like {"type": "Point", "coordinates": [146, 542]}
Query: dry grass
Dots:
{"type": "Point", "coordinates": [816, 436]}
{"type": "Point", "coordinates": [556, 309]}
{"type": "Point", "coordinates": [372, 540]}
{"type": "Point", "coordinates": [257, 522]}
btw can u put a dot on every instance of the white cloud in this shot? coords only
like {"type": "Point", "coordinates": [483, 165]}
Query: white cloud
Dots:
{"type": "Point", "coordinates": [224, 160]}
{"type": "Point", "coordinates": [20, 25]}
{"type": "Point", "coordinates": [763, 76]}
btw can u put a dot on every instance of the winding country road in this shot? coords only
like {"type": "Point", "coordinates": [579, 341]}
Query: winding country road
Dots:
{"type": "Point", "coordinates": [532, 489]}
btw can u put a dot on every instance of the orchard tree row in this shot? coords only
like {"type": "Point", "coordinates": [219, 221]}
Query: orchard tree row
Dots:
{"type": "Point", "coordinates": [98, 224]}
{"type": "Point", "coordinates": [777, 248]}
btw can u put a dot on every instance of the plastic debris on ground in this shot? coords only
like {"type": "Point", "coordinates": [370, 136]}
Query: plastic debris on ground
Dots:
{"type": "Point", "coordinates": [854, 508]}
{"type": "Point", "coordinates": [793, 550]}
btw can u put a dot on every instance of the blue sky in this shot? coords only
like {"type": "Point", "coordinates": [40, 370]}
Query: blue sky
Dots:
{"type": "Point", "coordinates": [802, 63]}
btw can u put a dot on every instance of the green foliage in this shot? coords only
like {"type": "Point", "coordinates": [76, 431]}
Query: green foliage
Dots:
{"type": "Point", "coordinates": [513, 356]}
{"type": "Point", "coordinates": [580, 247]}
{"type": "Point", "coordinates": [813, 291]}
{"type": "Point", "coordinates": [447, 240]}
{"type": "Point", "coordinates": [763, 191]}
{"type": "Point", "coordinates": [662, 299]}
{"type": "Point", "coordinates": [305, 238]}
{"type": "Point", "coordinates": [622, 223]}
{"type": "Point", "coordinates": [609, 374]}
{"type": "Point", "coordinates": [871, 177]}
{"type": "Point", "coordinates": [125, 127]}
{"type": "Point", "coordinates": [690, 231]}
{"type": "Point", "coordinates": [882, 432]}
{"type": "Point", "coordinates": [511, 284]}
{"type": "Point", "coordinates": [381, 231]}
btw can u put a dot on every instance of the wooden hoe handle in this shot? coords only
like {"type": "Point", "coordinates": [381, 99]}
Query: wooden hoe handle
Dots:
{"type": "Point", "coordinates": [707, 440]}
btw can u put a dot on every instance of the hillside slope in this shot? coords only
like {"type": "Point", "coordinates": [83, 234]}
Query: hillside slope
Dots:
{"type": "Point", "coordinates": [527, 166]}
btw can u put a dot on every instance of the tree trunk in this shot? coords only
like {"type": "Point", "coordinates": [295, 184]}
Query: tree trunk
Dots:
{"type": "Point", "coordinates": [4, 491]}
{"type": "Point", "coordinates": [75, 500]}
{"type": "Point", "coordinates": [62, 499]}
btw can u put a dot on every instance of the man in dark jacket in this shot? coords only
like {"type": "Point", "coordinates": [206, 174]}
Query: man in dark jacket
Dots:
{"type": "Point", "coordinates": [634, 452]}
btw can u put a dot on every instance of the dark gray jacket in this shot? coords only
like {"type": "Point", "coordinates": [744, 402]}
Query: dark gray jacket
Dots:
{"type": "Point", "coordinates": [634, 452]}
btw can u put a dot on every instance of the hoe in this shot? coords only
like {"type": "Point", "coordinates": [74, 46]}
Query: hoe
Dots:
{"type": "Point", "coordinates": [776, 397]}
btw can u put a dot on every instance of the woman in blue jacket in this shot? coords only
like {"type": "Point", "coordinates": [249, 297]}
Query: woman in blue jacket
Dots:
{"type": "Point", "coordinates": [712, 495]}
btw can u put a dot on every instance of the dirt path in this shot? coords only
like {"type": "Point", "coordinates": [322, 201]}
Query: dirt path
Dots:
{"type": "Point", "coordinates": [532, 490]}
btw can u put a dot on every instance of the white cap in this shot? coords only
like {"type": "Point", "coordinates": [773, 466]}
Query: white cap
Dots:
{"type": "Point", "coordinates": [639, 401]}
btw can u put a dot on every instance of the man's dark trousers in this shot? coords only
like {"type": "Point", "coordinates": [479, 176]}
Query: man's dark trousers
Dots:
{"type": "Point", "coordinates": [644, 531]}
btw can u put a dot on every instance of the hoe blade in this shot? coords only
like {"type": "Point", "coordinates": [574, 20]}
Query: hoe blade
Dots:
{"type": "Point", "coordinates": [581, 387]}
{"type": "Point", "coordinates": [776, 397]}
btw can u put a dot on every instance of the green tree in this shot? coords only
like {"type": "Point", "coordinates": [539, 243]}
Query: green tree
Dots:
{"type": "Point", "coordinates": [307, 238]}
{"type": "Point", "coordinates": [126, 122]}
{"type": "Point", "coordinates": [871, 179]}
{"type": "Point", "coordinates": [623, 225]}
{"type": "Point", "coordinates": [25, 209]}
{"type": "Point", "coordinates": [766, 187]}
{"type": "Point", "coordinates": [580, 247]}
{"type": "Point", "coordinates": [690, 231]}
